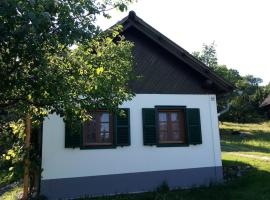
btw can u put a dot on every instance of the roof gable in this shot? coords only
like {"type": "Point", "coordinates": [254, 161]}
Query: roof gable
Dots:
{"type": "Point", "coordinates": [266, 102]}
{"type": "Point", "coordinates": [207, 79]}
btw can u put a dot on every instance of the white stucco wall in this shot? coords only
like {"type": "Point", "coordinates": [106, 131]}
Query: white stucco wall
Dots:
{"type": "Point", "coordinates": [60, 162]}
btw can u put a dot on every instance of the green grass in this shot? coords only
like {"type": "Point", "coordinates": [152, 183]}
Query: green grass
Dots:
{"type": "Point", "coordinates": [6, 179]}
{"type": "Point", "coordinates": [11, 195]}
{"type": "Point", "coordinates": [257, 142]}
{"type": "Point", "coordinates": [254, 184]}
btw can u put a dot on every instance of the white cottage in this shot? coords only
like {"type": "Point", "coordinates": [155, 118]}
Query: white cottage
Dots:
{"type": "Point", "coordinates": [169, 133]}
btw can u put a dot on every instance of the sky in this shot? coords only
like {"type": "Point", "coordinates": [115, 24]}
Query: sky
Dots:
{"type": "Point", "coordinates": [240, 29]}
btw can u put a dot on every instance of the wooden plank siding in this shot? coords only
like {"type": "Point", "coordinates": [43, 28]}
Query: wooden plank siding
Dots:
{"type": "Point", "coordinates": [161, 72]}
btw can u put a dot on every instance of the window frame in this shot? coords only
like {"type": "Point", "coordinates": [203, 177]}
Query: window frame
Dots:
{"type": "Point", "coordinates": [169, 109]}
{"type": "Point", "coordinates": [96, 145]}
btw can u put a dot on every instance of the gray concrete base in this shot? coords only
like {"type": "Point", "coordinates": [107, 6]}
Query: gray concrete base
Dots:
{"type": "Point", "coordinates": [127, 183]}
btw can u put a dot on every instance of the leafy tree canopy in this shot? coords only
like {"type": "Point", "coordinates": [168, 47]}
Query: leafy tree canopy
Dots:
{"type": "Point", "coordinates": [39, 72]}
{"type": "Point", "coordinates": [207, 55]}
{"type": "Point", "coordinates": [245, 100]}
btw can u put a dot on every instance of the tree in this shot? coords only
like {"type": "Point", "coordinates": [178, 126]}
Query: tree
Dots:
{"type": "Point", "coordinates": [207, 55]}
{"type": "Point", "coordinates": [245, 107]}
{"type": "Point", "coordinates": [37, 66]}
{"type": "Point", "coordinates": [267, 89]}
{"type": "Point", "coordinates": [245, 100]}
{"type": "Point", "coordinates": [41, 74]}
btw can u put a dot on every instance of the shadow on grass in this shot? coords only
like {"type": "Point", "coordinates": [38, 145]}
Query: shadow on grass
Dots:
{"type": "Point", "coordinates": [241, 147]}
{"type": "Point", "coordinates": [254, 134]}
{"type": "Point", "coordinates": [252, 185]}
{"type": "Point", "coordinates": [255, 141]}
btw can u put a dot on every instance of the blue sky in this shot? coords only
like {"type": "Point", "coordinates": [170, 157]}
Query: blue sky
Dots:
{"type": "Point", "coordinates": [240, 28]}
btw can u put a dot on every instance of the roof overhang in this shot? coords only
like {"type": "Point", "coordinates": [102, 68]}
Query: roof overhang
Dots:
{"type": "Point", "coordinates": [266, 102]}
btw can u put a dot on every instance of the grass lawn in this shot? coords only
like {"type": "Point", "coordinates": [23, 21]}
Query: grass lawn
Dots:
{"type": "Point", "coordinates": [11, 195]}
{"type": "Point", "coordinates": [256, 142]}
{"type": "Point", "coordinates": [254, 184]}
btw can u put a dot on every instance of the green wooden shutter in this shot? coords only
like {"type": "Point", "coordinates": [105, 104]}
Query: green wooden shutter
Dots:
{"type": "Point", "coordinates": [149, 126]}
{"type": "Point", "coordinates": [73, 131]}
{"type": "Point", "coordinates": [122, 129]}
{"type": "Point", "coordinates": [194, 126]}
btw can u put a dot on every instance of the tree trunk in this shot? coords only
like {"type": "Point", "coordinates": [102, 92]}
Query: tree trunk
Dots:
{"type": "Point", "coordinates": [26, 180]}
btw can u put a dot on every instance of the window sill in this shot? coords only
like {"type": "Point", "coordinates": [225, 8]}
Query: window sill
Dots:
{"type": "Point", "coordinates": [172, 145]}
{"type": "Point", "coordinates": [98, 147]}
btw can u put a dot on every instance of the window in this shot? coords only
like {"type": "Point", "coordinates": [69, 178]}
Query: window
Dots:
{"type": "Point", "coordinates": [166, 126]}
{"type": "Point", "coordinates": [171, 126]}
{"type": "Point", "coordinates": [99, 130]}
{"type": "Point", "coordinates": [105, 130]}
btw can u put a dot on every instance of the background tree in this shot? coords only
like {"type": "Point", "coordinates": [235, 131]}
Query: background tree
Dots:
{"type": "Point", "coordinates": [39, 72]}
{"type": "Point", "coordinates": [267, 89]}
{"type": "Point", "coordinates": [207, 55]}
{"type": "Point", "coordinates": [245, 100]}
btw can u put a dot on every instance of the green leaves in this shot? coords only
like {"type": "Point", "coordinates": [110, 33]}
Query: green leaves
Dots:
{"type": "Point", "coordinates": [40, 74]}
{"type": "Point", "coordinates": [207, 55]}
{"type": "Point", "coordinates": [103, 69]}
{"type": "Point", "coordinates": [99, 70]}
{"type": "Point", "coordinates": [122, 7]}
{"type": "Point", "coordinates": [244, 104]}
{"type": "Point", "coordinates": [38, 70]}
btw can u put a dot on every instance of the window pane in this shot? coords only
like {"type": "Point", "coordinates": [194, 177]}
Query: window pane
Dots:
{"type": "Point", "coordinates": [104, 137]}
{"type": "Point", "coordinates": [162, 136]}
{"type": "Point", "coordinates": [91, 137]}
{"type": "Point", "coordinates": [171, 126]}
{"type": "Point", "coordinates": [89, 131]}
{"type": "Point", "coordinates": [104, 127]}
{"type": "Point", "coordinates": [162, 116]}
{"type": "Point", "coordinates": [163, 126]}
{"type": "Point", "coordinates": [174, 116]}
{"type": "Point", "coordinates": [175, 136]}
{"type": "Point", "coordinates": [175, 126]}
{"type": "Point", "coordinates": [99, 129]}
{"type": "Point", "coordinates": [104, 117]}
